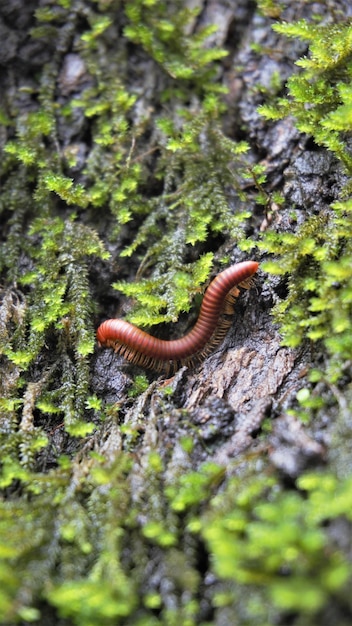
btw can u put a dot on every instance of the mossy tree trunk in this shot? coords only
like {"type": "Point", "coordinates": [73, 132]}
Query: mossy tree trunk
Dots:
{"type": "Point", "coordinates": [136, 161]}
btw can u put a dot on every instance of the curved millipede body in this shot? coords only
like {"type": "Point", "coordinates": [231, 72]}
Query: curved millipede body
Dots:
{"type": "Point", "coordinates": [215, 318]}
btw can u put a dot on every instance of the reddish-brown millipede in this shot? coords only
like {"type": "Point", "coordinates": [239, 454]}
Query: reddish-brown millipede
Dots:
{"type": "Point", "coordinates": [213, 322]}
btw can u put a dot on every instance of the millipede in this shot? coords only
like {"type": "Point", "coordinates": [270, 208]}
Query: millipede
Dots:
{"type": "Point", "coordinates": [214, 320]}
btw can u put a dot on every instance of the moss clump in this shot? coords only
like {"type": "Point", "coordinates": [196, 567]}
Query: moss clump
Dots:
{"type": "Point", "coordinates": [160, 28]}
{"type": "Point", "coordinates": [317, 257]}
{"type": "Point", "coordinates": [318, 260]}
{"type": "Point", "coordinates": [94, 529]}
{"type": "Point", "coordinates": [62, 513]}
{"type": "Point", "coordinates": [319, 97]}
{"type": "Point", "coordinates": [270, 548]}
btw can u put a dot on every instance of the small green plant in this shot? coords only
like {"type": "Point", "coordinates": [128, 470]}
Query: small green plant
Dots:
{"type": "Point", "coordinates": [271, 8]}
{"type": "Point", "coordinates": [160, 28]}
{"type": "Point", "coordinates": [140, 384]}
{"type": "Point", "coordinates": [193, 488]}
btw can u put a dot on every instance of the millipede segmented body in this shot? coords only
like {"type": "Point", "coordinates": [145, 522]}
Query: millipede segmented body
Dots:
{"type": "Point", "coordinates": [215, 318]}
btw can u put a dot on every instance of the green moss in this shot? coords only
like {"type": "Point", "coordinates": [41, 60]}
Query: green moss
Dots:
{"type": "Point", "coordinates": [319, 97]}
{"type": "Point", "coordinates": [317, 258]}
{"type": "Point", "coordinates": [271, 544]}
{"type": "Point", "coordinates": [140, 384]}
{"type": "Point", "coordinates": [318, 261]}
{"type": "Point", "coordinates": [93, 528]}
{"type": "Point", "coordinates": [160, 28]}
{"type": "Point", "coordinates": [193, 488]}
{"type": "Point", "coordinates": [54, 520]}
{"type": "Point", "coordinates": [57, 308]}
{"type": "Point", "coordinates": [271, 8]}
